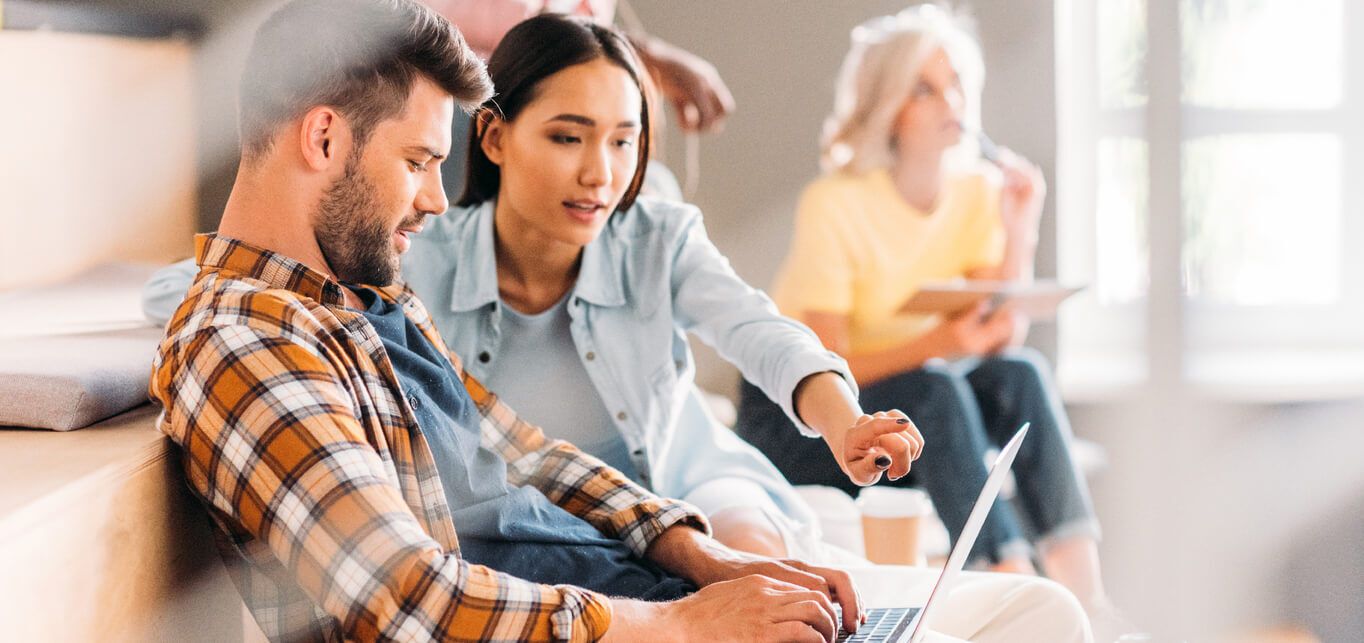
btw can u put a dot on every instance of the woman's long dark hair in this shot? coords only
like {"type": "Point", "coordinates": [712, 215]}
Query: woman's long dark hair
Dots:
{"type": "Point", "coordinates": [531, 52]}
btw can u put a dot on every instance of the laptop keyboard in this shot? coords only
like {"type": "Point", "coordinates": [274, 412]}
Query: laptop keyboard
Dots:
{"type": "Point", "coordinates": [881, 623]}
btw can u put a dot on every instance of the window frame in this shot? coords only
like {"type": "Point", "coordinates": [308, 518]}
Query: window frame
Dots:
{"type": "Point", "coordinates": [1165, 340]}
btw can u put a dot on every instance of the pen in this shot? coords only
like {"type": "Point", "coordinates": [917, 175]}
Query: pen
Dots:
{"type": "Point", "coordinates": [988, 150]}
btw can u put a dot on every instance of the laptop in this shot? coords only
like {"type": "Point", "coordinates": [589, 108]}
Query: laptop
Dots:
{"type": "Point", "coordinates": [910, 624]}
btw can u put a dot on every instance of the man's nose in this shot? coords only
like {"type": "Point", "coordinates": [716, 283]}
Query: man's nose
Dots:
{"type": "Point", "coordinates": [432, 198]}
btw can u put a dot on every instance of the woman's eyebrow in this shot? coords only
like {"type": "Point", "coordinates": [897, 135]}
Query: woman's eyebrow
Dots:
{"type": "Point", "coordinates": [583, 120]}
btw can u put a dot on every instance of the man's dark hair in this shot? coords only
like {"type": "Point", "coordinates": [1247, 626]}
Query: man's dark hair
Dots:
{"type": "Point", "coordinates": [359, 57]}
{"type": "Point", "coordinates": [532, 51]}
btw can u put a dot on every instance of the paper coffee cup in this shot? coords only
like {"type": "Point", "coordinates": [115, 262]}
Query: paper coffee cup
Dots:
{"type": "Point", "coordinates": [891, 520]}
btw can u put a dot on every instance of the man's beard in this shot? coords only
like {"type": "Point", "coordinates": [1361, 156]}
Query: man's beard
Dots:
{"type": "Point", "coordinates": [351, 232]}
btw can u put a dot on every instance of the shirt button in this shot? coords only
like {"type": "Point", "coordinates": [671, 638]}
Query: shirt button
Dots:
{"type": "Point", "coordinates": [621, 416]}
{"type": "Point", "coordinates": [678, 364]}
{"type": "Point", "coordinates": [639, 453]}
{"type": "Point", "coordinates": [590, 356]}
{"type": "Point", "coordinates": [484, 357]}
{"type": "Point", "coordinates": [416, 404]}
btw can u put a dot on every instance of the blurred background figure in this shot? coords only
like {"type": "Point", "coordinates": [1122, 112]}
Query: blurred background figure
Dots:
{"type": "Point", "coordinates": [906, 200]}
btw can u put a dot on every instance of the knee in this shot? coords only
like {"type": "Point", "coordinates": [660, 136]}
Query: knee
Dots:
{"type": "Point", "coordinates": [1055, 609]}
{"type": "Point", "coordinates": [937, 382]}
{"type": "Point", "coordinates": [1024, 361]}
{"type": "Point", "coordinates": [1020, 366]}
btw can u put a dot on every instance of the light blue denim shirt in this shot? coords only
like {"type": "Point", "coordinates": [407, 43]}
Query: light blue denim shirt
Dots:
{"type": "Point", "coordinates": [652, 276]}
{"type": "Point", "coordinates": [647, 280]}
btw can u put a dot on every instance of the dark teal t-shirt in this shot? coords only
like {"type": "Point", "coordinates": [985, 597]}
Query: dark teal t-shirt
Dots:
{"type": "Point", "coordinates": [512, 529]}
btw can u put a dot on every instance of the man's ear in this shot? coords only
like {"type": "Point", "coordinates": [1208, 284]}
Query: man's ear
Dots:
{"type": "Point", "coordinates": [490, 131]}
{"type": "Point", "coordinates": [324, 138]}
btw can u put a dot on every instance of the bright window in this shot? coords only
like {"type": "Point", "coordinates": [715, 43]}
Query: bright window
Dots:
{"type": "Point", "coordinates": [1202, 194]}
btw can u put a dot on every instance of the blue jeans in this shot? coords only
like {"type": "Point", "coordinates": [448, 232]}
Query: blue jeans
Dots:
{"type": "Point", "coordinates": [963, 408]}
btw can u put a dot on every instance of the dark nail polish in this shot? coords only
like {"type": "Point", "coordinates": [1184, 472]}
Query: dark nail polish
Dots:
{"type": "Point", "coordinates": [882, 461]}
{"type": "Point", "coordinates": [902, 421]}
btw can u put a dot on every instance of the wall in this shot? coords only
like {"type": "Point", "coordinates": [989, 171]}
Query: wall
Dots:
{"type": "Point", "coordinates": [97, 153]}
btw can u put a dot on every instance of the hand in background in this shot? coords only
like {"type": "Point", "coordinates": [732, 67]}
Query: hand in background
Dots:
{"type": "Point", "coordinates": [1018, 330]}
{"type": "Point", "coordinates": [1021, 196]}
{"type": "Point", "coordinates": [974, 332]}
{"type": "Point", "coordinates": [693, 86]}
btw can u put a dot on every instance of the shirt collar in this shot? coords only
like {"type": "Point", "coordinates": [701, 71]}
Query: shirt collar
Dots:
{"type": "Point", "coordinates": [476, 282]}
{"type": "Point", "coordinates": [599, 278]}
{"type": "Point", "coordinates": [276, 270]}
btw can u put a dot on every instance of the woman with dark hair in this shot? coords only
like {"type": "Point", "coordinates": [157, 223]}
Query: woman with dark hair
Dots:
{"type": "Point", "coordinates": [571, 297]}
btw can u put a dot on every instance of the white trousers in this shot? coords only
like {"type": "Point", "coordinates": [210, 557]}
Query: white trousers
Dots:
{"type": "Point", "coordinates": [983, 607]}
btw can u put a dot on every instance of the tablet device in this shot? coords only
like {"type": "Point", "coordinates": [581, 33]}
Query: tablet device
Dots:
{"type": "Point", "coordinates": [1037, 300]}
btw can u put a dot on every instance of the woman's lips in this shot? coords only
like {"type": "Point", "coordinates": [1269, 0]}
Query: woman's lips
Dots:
{"type": "Point", "coordinates": [584, 211]}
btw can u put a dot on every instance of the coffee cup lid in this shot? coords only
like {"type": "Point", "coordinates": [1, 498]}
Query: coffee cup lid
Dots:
{"type": "Point", "coordinates": [892, 502]}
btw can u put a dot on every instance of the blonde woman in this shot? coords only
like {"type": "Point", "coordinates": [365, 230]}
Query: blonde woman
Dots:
{"type": "Point", "coordinates": [906, 200]}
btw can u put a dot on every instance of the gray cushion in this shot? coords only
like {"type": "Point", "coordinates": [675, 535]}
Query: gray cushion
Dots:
{"type": "Point", "coordinates": [71, 381]}
{"type": "Point", "coordinates": [75, 353]}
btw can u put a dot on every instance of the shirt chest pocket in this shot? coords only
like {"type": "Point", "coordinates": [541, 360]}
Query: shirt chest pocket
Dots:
{"type": "Point", "coordinates": [667, 375]}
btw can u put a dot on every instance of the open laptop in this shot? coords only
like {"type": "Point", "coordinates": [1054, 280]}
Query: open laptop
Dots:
{"type": "Point", "coordinates": [910, 624]}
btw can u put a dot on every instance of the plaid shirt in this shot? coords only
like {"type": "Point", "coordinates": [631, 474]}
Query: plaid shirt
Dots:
{"type": "Point", "coordinates": [331, 516]}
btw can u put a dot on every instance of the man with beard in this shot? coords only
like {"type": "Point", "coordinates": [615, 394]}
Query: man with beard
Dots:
{"type": "Point", "coordinates": [334, 441]}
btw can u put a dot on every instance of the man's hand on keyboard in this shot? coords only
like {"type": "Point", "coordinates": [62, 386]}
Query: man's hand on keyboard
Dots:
{"type": "Point", "coordinates": [703, 560]}
{"type": "Point", "coordinates": [752, 608]}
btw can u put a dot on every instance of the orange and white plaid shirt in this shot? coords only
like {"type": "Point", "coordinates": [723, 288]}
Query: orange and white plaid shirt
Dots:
{"type": "Point", "coordinates": [297, 438]}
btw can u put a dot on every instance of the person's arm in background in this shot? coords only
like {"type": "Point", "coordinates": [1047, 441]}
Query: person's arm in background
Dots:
{"type": "Point", "coordinates": [166, 288]}
{"type": "Point", "coordinates": [1020, 210]}
{"type": "Point", "coordinates": [696, 91]}
{"type": "Point", "coordinates": [484, 22]}
{"type": "Point", "coordinates": [698, 95]}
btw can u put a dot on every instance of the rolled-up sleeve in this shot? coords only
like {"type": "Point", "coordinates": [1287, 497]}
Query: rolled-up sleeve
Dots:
{"type": "Point", "coordinates": [272, 446]}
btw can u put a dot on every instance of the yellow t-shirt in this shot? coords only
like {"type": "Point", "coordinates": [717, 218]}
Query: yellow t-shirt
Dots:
{"type": "Point", "coordinates": [860, 250]}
